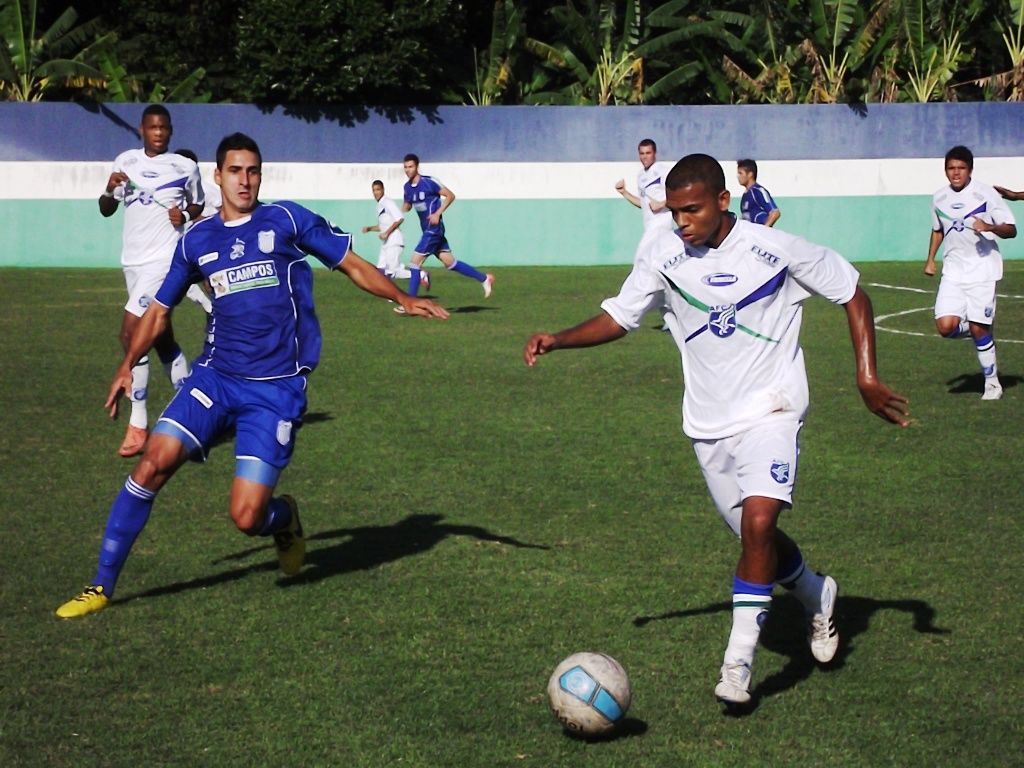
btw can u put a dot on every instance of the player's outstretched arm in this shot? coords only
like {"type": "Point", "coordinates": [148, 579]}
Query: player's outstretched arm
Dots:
{"type": "Point", "coordinates": [879, 399]}
{"type": "Point", "coordinates": [152, 324]}
{"type": "Point", "coordinates": [600, 329]}
{"type": "Point", "coordinates": [1009, 194]}
{"type": "Point", "coordinates": [366, 276]}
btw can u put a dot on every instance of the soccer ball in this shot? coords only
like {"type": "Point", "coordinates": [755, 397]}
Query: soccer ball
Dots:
{"type": "Point", "coordinates": [589, 693]}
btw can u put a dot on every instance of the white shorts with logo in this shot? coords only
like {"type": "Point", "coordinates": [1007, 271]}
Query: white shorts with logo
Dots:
{"type": "Point", "coordinates": [758, 462]}
{"type": "Point", "coordinates": [975, 302]}
{"type": "Point", "coordinates": [390, 258]}
{"type": "Point", "coordinates": [143, 281]}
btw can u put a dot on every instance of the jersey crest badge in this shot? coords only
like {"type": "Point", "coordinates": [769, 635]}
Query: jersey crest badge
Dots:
{"type": "Point", "coordinates": [237, 249]}
{"type": "Point", "coordinates": [266, 241]}
{"type": "Point", "coordinates": [780, 471]}
{"type": "Point", "coordinates": [284, 432]}
{"type": "Point", "coordinates": [722, 320]}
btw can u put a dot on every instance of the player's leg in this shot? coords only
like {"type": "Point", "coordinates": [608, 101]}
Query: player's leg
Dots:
{"type": "Point", "coordinates": [198, 296]}
{"type": "Point", "coordinates": [138, 419]}
{"type": "Point", "coordinates": [981, 313]}
{"type": "Point", "coordinates": [817, 593]}
{"type": "Point", "coordinates": [128, 515]}
{"type": "Point", "coordinates": [465, 269]}
{"type": "Point", "coordinates": [951, 311]}
{"type": "Point", "coordinates": [415, 267]}
{"type": "Point", "coordinates": [174, 361]}
{"type": "Point", "coordinates": [269, 419]}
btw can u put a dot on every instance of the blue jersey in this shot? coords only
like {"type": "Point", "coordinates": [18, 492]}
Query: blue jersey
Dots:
{"type": "Point", "coordinates": [425, 199]}
{"type": "Point", "coordinates": [756, 204]}
{"type": "Point", "coordinates": [263, 324]}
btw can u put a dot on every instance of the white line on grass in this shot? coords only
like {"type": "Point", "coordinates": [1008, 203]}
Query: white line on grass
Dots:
{"type": "Point", "coordinates": [882, 318]}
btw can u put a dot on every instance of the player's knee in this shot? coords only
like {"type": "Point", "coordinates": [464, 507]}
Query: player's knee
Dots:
{"type": "Point", "coordinates": [948, 327]}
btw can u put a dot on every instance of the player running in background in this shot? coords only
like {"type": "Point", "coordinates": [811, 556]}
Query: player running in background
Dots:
{"type": "Point", "coordinates": [967, 217]}
{"type": "Point", "coordinates": [389, 219]}
{"type": "Point", "coordinates": [210, 190]}
{"type": "Point", "coordinates": [431, 199]}
{"type": "Point", "coordinates": [757, 204]}
{"type": "Point", "coordinates": [161, 192]}
{"type": "Point", "coordinates": [735, 291]}
{"type": "Point", "coordinates": [251, 376]}
{"type": "Point", "coordinates": [650, 184]}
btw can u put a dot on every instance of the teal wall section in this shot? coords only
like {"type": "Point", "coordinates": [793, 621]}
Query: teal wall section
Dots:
{"type": "Point", "coordinates": [495, 233]}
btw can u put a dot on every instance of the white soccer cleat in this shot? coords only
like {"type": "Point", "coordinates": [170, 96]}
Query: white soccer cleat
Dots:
{"type": "Point", "coordinates": [734, 684]}
{"type": "Point", "coordinates": [488, 285]}
{"type": "Point", "coordinates": [822, 634]}
{"type": "Point", "coordinates": [993, 390]}
{"type": "Point", "coordinates": [424, 280]}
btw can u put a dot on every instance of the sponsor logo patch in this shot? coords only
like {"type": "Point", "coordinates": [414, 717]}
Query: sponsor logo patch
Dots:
{"type": "Point", "coordinates": [202, 397]}
{"type": "Point", "coordinates": [764, 256]}
{"type": "Point", "coordinates": [719, 279]}
{"type": "Point", "coordinates": [259, 274]}
{"type": "Point", "coordinates": [206, 258]}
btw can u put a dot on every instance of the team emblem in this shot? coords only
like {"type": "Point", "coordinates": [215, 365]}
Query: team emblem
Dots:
{"type": "Point", "coordinates": [722, 320]}
{"type": "Point", "coordinates": [266, 241]}
{"type": "Point", "coordinates": [237, 249]}
{"type": "Point", "coordinates": [780, 471]}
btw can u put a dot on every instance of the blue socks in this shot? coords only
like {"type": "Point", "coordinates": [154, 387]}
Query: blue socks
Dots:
{"type": "Point", "coordinates": [279, 515]}
{"type": "Point", "coordinates": [466, 270]}
{"type": "Point", "coordinates": [128, 516]}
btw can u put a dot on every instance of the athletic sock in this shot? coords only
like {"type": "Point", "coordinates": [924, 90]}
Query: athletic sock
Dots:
{"type": "Point", "coordinates": [465, 269]}
{"type": "Point", "coordinates": [140, 386]}
{"type": "Point", "coordinates": [805, 584]}
{"type": "Point", "coordinates": [986, 347]}
{"type": "Point", "coordinates": [128, 516]}
{"type": "Point", "coordinates": [750, 604]}
{"type": "Point", "coordinates": [414, 280]}
{"type": "Point", "coordinates": [176, 366]}
{"type": "Point", "coordinates": [278, 517]}
{"type": "Point", "coordinates": [962, 330]}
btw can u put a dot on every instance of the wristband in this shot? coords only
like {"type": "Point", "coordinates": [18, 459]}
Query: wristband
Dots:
{"type": "Point", "coordinates": [186, 214]}
{"type": "Point", "coordinates": [107, 194]}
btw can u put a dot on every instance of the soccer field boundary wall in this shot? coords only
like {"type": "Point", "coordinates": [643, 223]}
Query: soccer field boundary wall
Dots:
{"type": "Point", "coordinates": [534, 185]}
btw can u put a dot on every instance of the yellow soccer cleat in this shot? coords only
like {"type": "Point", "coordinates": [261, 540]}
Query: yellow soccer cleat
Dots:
{"type": "Point", "coordinates": [89, 600]}
{"type": "Point", "coordinates": [290, 543]}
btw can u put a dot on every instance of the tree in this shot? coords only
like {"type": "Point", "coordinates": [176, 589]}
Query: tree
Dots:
{"type": "Point", "coordinates": [31, 65]}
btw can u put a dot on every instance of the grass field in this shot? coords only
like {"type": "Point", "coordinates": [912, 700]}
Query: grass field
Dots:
{"type": "Point", "coordinates": [472, 522]}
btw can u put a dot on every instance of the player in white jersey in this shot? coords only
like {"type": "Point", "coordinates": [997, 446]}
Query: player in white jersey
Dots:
{"type": "Point", "coordinates": [161, 193]}
{"type": "Point", "coordinates": [735, 291]}
{"type": "Point", "coordinates": [392, 241]}
{"type": "Point", "coordinates": [968, 216]}
{"type": "Point", "coordinates": [650, 185]}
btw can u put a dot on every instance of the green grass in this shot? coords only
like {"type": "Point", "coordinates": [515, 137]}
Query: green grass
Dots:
{"type": "Point", "coordinates": [473, 522]}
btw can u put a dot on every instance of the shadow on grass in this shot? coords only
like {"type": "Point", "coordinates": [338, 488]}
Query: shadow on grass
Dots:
{"type": "Point", "coordinates": [626, 729]}
{"type": "Point", "coordinates": [471, 309]}
{"type": "Point", "coordinates": [362, 548]}
{"type": "Point", "coordinates": [974, 383]}
{"type": "Point", "coordinates": [784, 633]}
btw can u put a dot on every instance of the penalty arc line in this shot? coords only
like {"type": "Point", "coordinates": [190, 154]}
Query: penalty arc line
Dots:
{"type": "Point", "coordinates": [882, 318]}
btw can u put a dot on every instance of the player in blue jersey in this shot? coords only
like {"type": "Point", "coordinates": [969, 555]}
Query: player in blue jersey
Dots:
{"type": "Point", "coordinates": [431, 199]}
{"type": "Point", "coordinates": [263, 342]}
{"type": "Point", "coordinates": [757, 204]}
{"type": "Point", "coordinates": [967, 217]}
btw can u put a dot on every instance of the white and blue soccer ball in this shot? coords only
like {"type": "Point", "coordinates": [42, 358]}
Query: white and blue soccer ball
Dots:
{"type": "Point", "coordinates": [589, 693]}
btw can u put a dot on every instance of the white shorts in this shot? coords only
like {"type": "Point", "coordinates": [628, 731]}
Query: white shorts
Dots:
{"type": "Point", "coordinates": [760, 461]}
{"type": "Point", "coordinates": [390, 258]}
{"type": "Point", "coordinates": [143, 282]}
{"type": "Point", "coordinates": [975, 302]}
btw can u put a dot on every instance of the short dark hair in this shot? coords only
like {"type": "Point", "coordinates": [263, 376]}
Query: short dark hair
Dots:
{"type": "Point", "coordinates": [188, 153]}
{"type": "Point", "coordinates": [698, 168]}
{"type": "Point", "coordinates": [237, 141]}
{"type": "Point", "coordinates": [156, 109]}
{"type": "Point", "coordinates": [411, 158]}
{"type": "Point", "coordinates": [647, 143]}
{"type": "Point", "coordinates": [748, 165]}
{"type": "Point", "coordinates": [377, 183]}
{"type": "Point", "coordinates": [960, 152]}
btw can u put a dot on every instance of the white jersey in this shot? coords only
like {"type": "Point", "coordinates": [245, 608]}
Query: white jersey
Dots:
{"type": "Point", "coordinates": [155, 185]}
{"type": "Point", "coordinates": [734, 312]}
{"type": "Point", "coordinates": [387, 214]}
{"type": "Point", "coordinates": [969, 256]}
{"type": "Point", "coordinates": [214, 199]}
{"type": "Point", "coordinates": [650, 184]}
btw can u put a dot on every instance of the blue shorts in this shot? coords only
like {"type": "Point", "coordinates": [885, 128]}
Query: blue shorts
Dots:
{"type": "Point", "coordinates": [433, 242]}
{"type": "Point", "coordinates": [265, 415]}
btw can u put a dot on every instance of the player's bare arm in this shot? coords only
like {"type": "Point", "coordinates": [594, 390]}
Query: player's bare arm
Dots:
{"type": "Point", "coordinates": [107, 201]}
{"type": "Point", "coordinates": [1004, 231]}
{"type": "Point", "coordinates": [600, 329]}
{"type": "Point", "coordinates": [933, 248]}
{"type": "Point", "coordinates": [1009, 194]}
{"type": "Point", "coordinates": [366, 277]}
{"type": "Point", "coordinates": [773, 215]}
{"type": "Point", "coordinates": [620, 187]}
{"type": "Point", "coordinates": [878, 398]}
{"type": "Point", "coordinates": [150, 326]}
{"type": "Point", "coordinates": [447, 198]}
{"type": "Point", "coordinates": [177, 215]}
